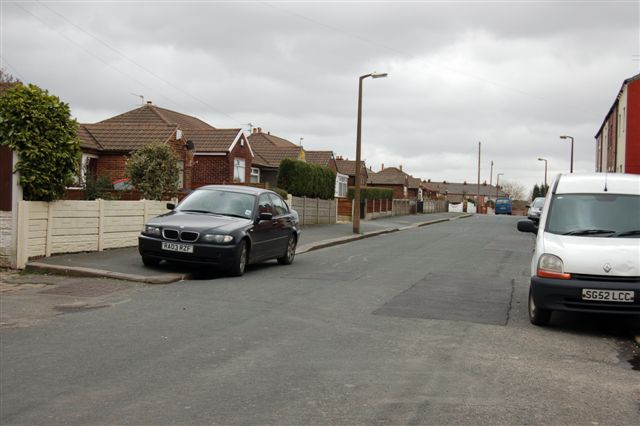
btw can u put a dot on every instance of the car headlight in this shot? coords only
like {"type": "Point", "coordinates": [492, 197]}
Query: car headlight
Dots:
{"type": "Point", "coordinates": [152, 230]}
{"type": "Point", "coordinates": [551, 266]}
{"type": "Point", "coordinates": [217, 238]}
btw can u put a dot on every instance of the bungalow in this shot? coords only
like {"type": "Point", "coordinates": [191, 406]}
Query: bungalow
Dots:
{"type": "Point", "coordinates": [403, 184]}
{"type": "Point", "coordinates": [457, 192]}
{"type": "Point", "coordinates": [206, 155]}
{"type": "Point", "coordinates": [270, 150]}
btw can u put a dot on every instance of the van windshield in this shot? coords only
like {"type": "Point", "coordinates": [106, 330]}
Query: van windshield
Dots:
{"type": "Point", "coordinates": [600, 215]}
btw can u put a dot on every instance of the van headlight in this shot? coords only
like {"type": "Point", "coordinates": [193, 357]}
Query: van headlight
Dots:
{"type": "Point", "coordinates": [551, 266]}
{"type": "Point", "coordinates": [153, 231]}
{"type": "Point", "coordinates": [217, 238]}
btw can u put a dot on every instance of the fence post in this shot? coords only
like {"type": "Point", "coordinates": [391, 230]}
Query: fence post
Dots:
{"type": "Point", "coordinates": [22, 235]}
{"type": "Point", "coordinates": [100, 224]}
{"type": "Point", "coordinates": [304, 207]}
{"type": "Point", "coordinates": [48, 242]}
{"type": "Point", "coordinates": [318, 211]}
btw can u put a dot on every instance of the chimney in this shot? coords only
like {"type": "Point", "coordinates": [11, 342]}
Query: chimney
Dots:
{"type": "Point", "coordinates": [465, 182]}
{"type": "Point", "coordinates": [259, 129]}
{"type": "Point", "coordinates": [254, 130]}
{"type": "Point", "coordinates": [382, 167]}
{"type": "Point", "coordinates": [149, 103]}
{"type": "Point", "coordinates": [400, 167]}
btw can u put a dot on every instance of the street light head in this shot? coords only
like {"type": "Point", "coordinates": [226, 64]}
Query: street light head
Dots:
{"type": "Point", "coordinates": [564, 137]}
{"type": "Point", "coordinates": [378, 74]}
{"type": "Point", "coordinates": [542, 159]}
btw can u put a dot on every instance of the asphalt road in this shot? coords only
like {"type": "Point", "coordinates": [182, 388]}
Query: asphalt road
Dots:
{"type": "Point", "coordinates": [426, 326]}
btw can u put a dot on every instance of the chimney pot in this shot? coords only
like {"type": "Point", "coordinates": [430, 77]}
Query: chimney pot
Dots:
{"type": "Point", "coordinates": [400, 167]}
{"type": "Point", "coordinates": [149, 103]}
{"type": "Point", "coordinates": [259, 129]}
{"type": "Point", "coordinates": [382, 167]}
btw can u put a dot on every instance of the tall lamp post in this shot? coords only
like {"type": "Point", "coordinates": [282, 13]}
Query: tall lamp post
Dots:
{"type": "Point", "coordinates": [356, 189]}
{"type": "Point", "coordinates": [545, 171]}
{"type": "Point", "coordinates": [498, 184]}
{"type": "Point", "coordinates": [569, 137]}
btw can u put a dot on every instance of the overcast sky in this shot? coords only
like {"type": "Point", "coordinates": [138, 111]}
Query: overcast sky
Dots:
{"type": "Point", "coordinates": [514, 75]}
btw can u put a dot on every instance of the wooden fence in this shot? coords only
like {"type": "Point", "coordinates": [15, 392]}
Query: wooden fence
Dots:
{"type": "Point", "coordinates": [313, 211]}
{"type": "Point", "coordinates": [76, 226]}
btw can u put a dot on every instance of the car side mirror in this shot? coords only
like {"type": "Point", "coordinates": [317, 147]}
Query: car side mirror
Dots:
{"type": "Point", "coordinates": [171, 206]}
{"type": "Point", "coordinates": [528, 205]}
{"type": "Point", "coordinates": [265, 216]}
{"type": "Point", "coordinates": [527, 226]}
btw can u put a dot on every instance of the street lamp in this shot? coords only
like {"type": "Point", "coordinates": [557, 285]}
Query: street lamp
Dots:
{"type": "Point", "coordinates": [545, 171]}
{"type": "Point", "coordinates": [356, 189]}
{"type": "Point", "coordinates": [569, 137]}
{"type": "Point", "coordinates": [498, 184]}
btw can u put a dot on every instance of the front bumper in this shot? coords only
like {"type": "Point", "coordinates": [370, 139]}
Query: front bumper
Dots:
{"type": "Point", "coordinates": [566, 295]}
{"type": "Point", "coordinates": [210, 254]}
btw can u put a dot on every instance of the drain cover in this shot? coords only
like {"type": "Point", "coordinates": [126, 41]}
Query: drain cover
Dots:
{"type": "Point", "coordinates": [86, 289]}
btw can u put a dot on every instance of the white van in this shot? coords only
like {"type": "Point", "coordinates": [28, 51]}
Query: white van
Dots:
{"type": "Point", "coordinates": [587, 254]}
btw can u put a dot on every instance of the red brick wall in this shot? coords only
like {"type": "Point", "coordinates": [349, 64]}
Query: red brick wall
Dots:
{"type": "Point", "coordinates": [632, 152]}
{"type": "Point", "coordinates": [111, 166]}
{"type": "Point", "coordinates": [210, 169]}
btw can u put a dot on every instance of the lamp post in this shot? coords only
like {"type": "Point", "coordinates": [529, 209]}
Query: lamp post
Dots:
{"type": "Point", "coordinates": [491, 174]}
{"type": "Point", "coordinates": [356, 189]}
{"type": "Point", "coordinates": [569, 137]}
{"type": "Point", "coordinates": [545, 171]}
{"type": "Point", "coordinates": [498, 184]}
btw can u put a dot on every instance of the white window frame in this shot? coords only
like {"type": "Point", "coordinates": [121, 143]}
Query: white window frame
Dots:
{"type": "Point", "coordinates": [239, 169]}
{"type": "Point", "coordinates": [255, 175]}
{"type": "Point", "coordinates": [342, 183]}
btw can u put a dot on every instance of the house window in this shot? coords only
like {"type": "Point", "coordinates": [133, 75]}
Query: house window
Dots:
{"type": "Point", "coordinates": [239, 166]}
{"type": "Point", "coordinates": [180, 174]}
{"type": "Point", "coordinates": [341, 185]}
{"type": "Point", "coordinates": [255, 175]}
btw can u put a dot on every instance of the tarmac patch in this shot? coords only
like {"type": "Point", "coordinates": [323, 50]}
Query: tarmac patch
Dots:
{"type": "Point", "coordinates": [86, 289]}
{"type": "Point", "coordinates": [481, 300]}
{"type": "Point", "coordinates": [69, 309]}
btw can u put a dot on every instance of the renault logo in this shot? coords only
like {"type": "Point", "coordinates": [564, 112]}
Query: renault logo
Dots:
{"type": "Point", "coordinates": [606, 267]}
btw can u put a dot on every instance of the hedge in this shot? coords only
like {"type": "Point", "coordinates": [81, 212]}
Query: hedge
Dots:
{"type": "Point", "coordinates": [372, 193]}
{"type": "Point", "coordinates": [302, 179]}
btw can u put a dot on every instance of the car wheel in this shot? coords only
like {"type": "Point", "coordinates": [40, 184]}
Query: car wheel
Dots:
{"type": "Point", "coordinates": [150, 261]}
{"type": "Point", "coordinates": [290, 254]}
{"type": "Point", "coordinates": [538, 316]}
{"type": "Point", "coordinates": [240, 260]}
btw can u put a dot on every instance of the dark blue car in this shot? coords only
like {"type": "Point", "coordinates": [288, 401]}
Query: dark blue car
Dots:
{"type": "Point", "coordinates": [503, 206]}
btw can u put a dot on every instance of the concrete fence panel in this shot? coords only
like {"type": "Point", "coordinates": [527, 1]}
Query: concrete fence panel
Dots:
{"type": "Point", "coordinates": [77, 226]}
{"type": "Point", "coordinates": [314, 211]}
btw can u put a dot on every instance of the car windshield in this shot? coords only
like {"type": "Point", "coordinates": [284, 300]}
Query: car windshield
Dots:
{"type": "Point", "coordinates": [225, 203]}
{"type": "Point", "coordinates": [538, 203]}
{"type": "Point", "coordinates": [602, 215]}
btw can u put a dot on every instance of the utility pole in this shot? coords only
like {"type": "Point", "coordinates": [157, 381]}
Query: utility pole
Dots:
{"type": "Point", "coordinates": [491, 174]}
{"type": "Point", "coordinates": [478, 193]}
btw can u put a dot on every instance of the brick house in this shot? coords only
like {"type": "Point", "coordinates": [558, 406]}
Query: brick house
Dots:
{"type": "Point", "coordinates": [455, 192]}
{"type": "Point", "coordinates": [618, 139]}
{"type": "Point", "coordinates": [348, 167]}
{"type": "Point", "coordinates": [394, 178]}
{"type": "Point", "coordinates": [270, 150]}
{"type": "Point", "coordinates": [206, 155]}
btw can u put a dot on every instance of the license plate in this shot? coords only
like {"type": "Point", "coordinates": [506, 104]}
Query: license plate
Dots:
{"type": "Point", "coordinates": [182, 248]}
{"type": "Point", "coordinates": [607, 295]}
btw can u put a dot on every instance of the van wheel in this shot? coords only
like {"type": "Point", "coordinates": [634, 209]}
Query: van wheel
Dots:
{"type": "Point", "coordinates": [290, 254]}
{"type": "Point", "coordinates": [538, 316]}
{"type": "Point", "coordinates": [240, 260]}
{"type": "Point", "coordinates": [150, 261]}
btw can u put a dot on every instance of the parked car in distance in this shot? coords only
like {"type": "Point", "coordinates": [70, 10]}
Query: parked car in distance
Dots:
{"type": "Point", "coordinates": [123, 184]}
{"type": "Point", "coordinates": [503, 206]}
{"type": "Point", "coordinates": [535, 209]}
{"type": "Point", "coordinates": [227, 227]}
{"type": "Point", "coordinates": [587, 253]}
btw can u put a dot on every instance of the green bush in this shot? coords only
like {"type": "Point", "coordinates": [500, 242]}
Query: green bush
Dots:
{"type": "Point", "coordinates": [371, 193]}
{"type": "Point", "coordinates": [153, 170]}
{"type": "Point", "coordinates": [281, 192]}
{"type": "Point", "coordinates": [95, 188]}
{"type": "Point", "coordinates": [39, 128]}
{"type": "Point", "coordinates": [306, 180]}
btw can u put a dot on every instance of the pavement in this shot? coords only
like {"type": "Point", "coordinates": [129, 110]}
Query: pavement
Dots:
{"type": "Point", "coordinates": [125, 263]}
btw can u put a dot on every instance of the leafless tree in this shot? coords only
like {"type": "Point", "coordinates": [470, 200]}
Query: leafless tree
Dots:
{"type": "Point", "coordinates": [515, 190]}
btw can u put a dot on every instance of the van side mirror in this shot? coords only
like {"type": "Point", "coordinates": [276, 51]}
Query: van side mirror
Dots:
{"type": "Point", "coordinates": [527, 226]}
{"type": "Point", "coordinates": [171, 206]}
